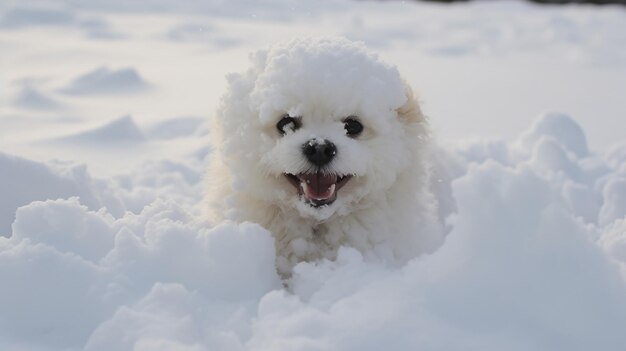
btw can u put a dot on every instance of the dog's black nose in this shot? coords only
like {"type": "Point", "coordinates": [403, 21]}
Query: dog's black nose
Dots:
{"type": "Point", "coordinates": [319, 152]}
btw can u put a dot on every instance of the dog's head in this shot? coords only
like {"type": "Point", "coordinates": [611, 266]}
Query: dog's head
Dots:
{"type": "Point", "coordinates": [320, 126]}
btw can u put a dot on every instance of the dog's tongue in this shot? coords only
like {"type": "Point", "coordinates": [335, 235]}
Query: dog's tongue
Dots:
{"type": "Point", "coordinates": [318, 186]}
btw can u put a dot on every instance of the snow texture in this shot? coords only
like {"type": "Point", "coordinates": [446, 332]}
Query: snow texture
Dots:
{"type": "Point", "coordinates": [178, 127]}
{"type": "Point", "coordinates": [328, 72]}
{"type": "Point", "coordinates": [110, 250]}
{"type": "Point", "coordinates": [536, 276]}
{"type": "Point", "coordinates": [31, 98]}
{"type": "Point", "coordinates": [23, 181]}
{"type": "Point", "coordinates": [105, 81]}
{"type": "Point", "coordinates": [121, 130]}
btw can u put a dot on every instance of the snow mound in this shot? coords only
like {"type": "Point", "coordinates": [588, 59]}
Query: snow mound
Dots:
{"type": "Point", "coordinates": [528, 278]}
{"type": "Point", "coordinates": [535, 259]}
{"type": "Point", "coordinates": [614, 206]}
{"type": "Point", "coordinates": [617, 154]}
{"type": "Point", "coordinates": [23, 181]}
{"type": "Point", "coordinates": [105, 81]}
{"type": "Point", "coordinates": [119, 131]}
{"type": "Point", "coordinates": [342, 63]}
{"type": "Point", "coordinates": [90, 265]}
{"type": "Point", "coordinates": [560, 127]}
{"type": "Point", "coordinates": [31, 98]}
{"type": "Point", "coordinates": [177, 128]}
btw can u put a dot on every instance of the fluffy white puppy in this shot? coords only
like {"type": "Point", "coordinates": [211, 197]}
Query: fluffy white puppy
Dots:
{"type": "Point", "coordinates": [324, 145]}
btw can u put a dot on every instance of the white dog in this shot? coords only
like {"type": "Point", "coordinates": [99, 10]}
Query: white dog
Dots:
{"type": "Point", "coordinates": [324, 145]}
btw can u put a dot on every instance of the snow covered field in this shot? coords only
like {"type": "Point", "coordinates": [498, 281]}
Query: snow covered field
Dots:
{"type": "Point", "coordinates": [103, 137]}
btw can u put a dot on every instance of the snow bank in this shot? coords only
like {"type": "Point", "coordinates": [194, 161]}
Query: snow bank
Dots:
{"type": "Point", "coordinates": [23, 181]}
{"type": "Point", "coordinates": [327, 71]}
{"type": "Point", "coordinates": [535, 259]}
{"type": "Point", "coordinates": [81, 266]}
{"type": "Point", "coordinates": [121, 130]}
{"type": "Point", "coordinates": [560, 127]}
{"type": "Point", "coordinates": [103, 80]}
{"type": "Point", "coordinates": [31, 98]}
{"type": "Point", "coordinates": [178, 127]}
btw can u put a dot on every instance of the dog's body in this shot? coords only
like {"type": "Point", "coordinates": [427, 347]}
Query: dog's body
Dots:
{"type": "Point", "coordinates": [325, 146]}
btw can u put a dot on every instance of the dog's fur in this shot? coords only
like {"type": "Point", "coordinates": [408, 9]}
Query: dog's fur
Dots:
{"type": "Point", "coordinates": [385, 209]}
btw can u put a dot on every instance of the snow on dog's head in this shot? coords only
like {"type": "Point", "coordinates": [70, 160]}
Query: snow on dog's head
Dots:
{"type": "Point", "coordinates": [323, 144]}
{"type": "Point", "coordinates": [318, 126]}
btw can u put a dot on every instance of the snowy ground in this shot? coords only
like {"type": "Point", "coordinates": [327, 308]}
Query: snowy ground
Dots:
{"type": "Point", "coordinates": [103, 134]}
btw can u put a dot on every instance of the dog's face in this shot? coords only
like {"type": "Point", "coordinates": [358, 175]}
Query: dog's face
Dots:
{"type": "Point", "coordinates": [320, 129]}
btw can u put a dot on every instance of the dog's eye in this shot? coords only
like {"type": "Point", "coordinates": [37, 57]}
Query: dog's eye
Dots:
{"type": "Point", "coordinates": [288, 123]}
{"type": "Point", "coordinates": [352, 126]}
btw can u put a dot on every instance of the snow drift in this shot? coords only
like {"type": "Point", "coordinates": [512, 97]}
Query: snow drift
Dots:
{"type": "Point", "coordinates": [103, 80]}
{"type": "Point", "coordinates": [122, 130]}
{"type": "Point", "coordinates": [116, 256]}
{"type": "Point", "coordinates": [534, 260]}
{"type": "Point", "coordinates": [31, 98]}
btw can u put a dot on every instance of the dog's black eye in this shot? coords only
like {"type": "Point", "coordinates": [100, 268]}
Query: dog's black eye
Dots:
{"type": "Point", "coordinates": [288, 123]}
{"type": "Point", "coordinates": [352, 126]}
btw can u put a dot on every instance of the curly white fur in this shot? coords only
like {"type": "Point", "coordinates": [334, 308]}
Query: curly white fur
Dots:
{"type": "Point", "coordinates": [385, 210]}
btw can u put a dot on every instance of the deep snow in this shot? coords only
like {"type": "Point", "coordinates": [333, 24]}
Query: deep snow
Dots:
{"type": "Point", "coordinates": [102, 242]}
{"type": "Point", "coordinates": [534, 260]}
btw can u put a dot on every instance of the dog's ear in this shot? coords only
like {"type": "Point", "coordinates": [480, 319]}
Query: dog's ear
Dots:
{"type": "Point", "coordinates": [410, 112]}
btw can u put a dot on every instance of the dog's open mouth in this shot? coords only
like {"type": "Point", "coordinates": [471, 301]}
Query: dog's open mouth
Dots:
{"type": "Point", "coordinates": [319, 188]}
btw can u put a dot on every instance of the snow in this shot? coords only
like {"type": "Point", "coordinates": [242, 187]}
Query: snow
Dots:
{"type": "Point", "coordinates": [103, 80]}
{"type": "Point", "coordinates": [23, 181]}
{"type": "Point", "coordinates": [566, 132]}
{"type": "Point", "coordinates": [534, 276]}
{"type": "Point", "coordinates": [342, 63]}
{"type": "Point", "coordinates": [121, 130]}
{"type": "Point", "coordinates": [35, 16]}
{"type": "Point", "coordinates": [614, 206]}
{"type": "Point", "coordinates": [105, 264]}
{"type": "Point", "coordinates": [178, 127]}
{"type": "Point", "coordinates": [103, 245]}
{"type": "Point", "coordinates": [30, 98]}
